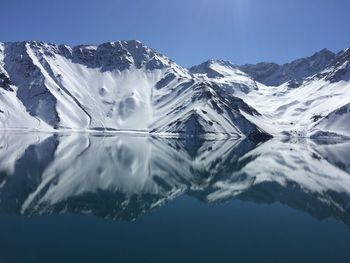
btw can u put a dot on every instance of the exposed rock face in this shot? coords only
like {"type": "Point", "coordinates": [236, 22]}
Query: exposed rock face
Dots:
{"type": "Point", "coordinates": [272, 74]}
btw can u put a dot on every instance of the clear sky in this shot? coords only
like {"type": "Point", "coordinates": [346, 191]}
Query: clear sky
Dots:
{"type": "Point", "coordinates": [188, 31]}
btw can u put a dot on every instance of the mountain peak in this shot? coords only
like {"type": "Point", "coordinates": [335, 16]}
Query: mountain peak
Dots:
{"type": "Point", "coordinates": [339, 69]}
{"type": "Point", "coordinates": [322, 54]}
{"type": "Point", "coordinates": [324, 51]}
{"type": "Point", "coordinates": [221, 62]}
{"type": "Point", "coordinates": [211, 62]}
{"type": "Point", "coordinates": [126, 43]}
{"type": "Point", "coordinates": [213, 68]}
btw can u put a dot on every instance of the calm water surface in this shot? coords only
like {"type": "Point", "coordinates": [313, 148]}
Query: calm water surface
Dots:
{"type": "Point", "coordinates": [109, 198]}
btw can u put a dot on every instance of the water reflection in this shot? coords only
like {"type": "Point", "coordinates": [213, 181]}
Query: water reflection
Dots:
{"type": "Point", "coordinates": [123, 177]}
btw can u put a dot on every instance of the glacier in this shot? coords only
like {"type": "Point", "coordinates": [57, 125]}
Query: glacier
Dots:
{"type": "Point", "coordinates": [125, 86]}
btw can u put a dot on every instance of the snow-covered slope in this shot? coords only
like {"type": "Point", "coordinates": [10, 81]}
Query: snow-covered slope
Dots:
{"type": "Point", "coordinates": [226, 75]}
{"type": "Point", "coordinates": [297, 112]}
{"type": "Point", "coordinates": [317, 106]}
{"type": "Point", "coordinates": [320, 97]}
{"type": "Point", "coordinates": [127, 86]}
{"type": "Point", "coordinates": [123, 86]}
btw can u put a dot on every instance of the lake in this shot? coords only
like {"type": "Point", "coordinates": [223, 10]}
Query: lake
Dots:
{"type": "Point", "coordinates": [120, 198]}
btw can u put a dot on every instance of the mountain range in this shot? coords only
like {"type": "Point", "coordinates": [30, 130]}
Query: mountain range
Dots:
{"type": "Point", "coordinates": [126, 86]}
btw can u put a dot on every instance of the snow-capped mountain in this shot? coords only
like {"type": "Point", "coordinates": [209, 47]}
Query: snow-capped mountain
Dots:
{"type": "Point", "coordinates": [228, 76]}
{"type": "Point", "coordinates": [114, 86]}
{"type": "Point", "coordinates": [272, 74]}
{"type": "Point", "coordinates": [127, 86]}
{"type": "Point", "coordinates": [323, 95]}
{"type": "Point", "coordinates": [133, 175]}
{"type": "Point", "coordinates": [317, 106]}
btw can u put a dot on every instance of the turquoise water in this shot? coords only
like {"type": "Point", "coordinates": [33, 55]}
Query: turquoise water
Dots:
{"type": "Point", "coordinates": [93, 198]}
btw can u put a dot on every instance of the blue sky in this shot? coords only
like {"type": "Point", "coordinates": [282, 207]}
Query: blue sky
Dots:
{"type": "Point", "coordinates": [188, 31]}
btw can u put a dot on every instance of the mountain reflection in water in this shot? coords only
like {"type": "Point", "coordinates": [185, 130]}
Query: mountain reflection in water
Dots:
{"type": "Point", "coordinates": [123, 177]}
